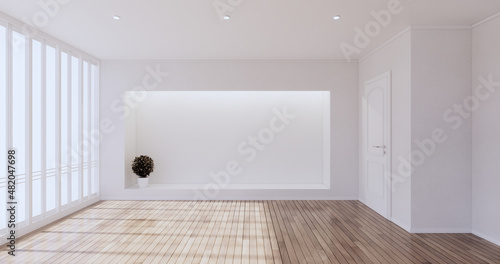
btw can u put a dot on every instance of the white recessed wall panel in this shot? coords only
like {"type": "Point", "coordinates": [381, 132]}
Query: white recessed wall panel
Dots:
{"type": "Point", "coordinates": [275, 138]}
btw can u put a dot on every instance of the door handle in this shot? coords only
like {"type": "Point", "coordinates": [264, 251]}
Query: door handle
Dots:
{"type": "Point", "coordinates": [382, 147]}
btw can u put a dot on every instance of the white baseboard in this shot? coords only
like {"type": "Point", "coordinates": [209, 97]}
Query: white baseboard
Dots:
{"type": "Point", "coordinates": [233, 187]}
{"type": "Point", "coordinates": [400, 224]}
{"type": "Point", "coordinates": [129, 198]}
{"type": "Point", "coordinates": [441, 230]}
{"type": "Point", "coordinates": [486, 237]}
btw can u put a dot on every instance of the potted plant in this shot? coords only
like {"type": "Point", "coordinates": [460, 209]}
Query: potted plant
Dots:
{"type": "Point", "coordinates": [142, 167]}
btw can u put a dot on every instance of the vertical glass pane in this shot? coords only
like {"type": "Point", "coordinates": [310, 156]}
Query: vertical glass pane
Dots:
{"type": "Point", "coordinates": [95, 129]}
{"type": "Point", "coordinates": [3, 124]}
{"type": "Point", "coordinates": [36, 196]}
{"type": "Point", "coordinates": [36, 147]}
{"type": "Point", "coordinates": [19, 102]}
{"type": "Point", "coordinates": [19, 117]}
{"type": "Point", "coordinates": [21, 202]}
{"type": "Point", "coordinates": [85, 143]}
{"type": "Point", "coordinates": [36, 108]}
{"type": "Point", "coordinates": [65, 163]}
{"type": "Point", "coordinates": [75, 147]}
{"type": "Point", "coordinates": [51, 107]}
{"type": "Point", "coordinates": [50, 123]}
{"type": "Point", "coordinates": [64, 188]}
{"type": "Point", "coordinates": [36, 115]}
{"type": "Point", "coordinates": [64, 128]}
{"type": "Point", "coordinates": [50, 193]}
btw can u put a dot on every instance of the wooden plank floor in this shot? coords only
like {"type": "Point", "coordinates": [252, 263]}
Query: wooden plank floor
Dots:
{"type": "Point", "coordinates": [240, 232]}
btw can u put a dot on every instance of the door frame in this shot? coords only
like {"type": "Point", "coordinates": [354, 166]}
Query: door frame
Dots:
{"type": "Point", "coordinates": [388, 137]}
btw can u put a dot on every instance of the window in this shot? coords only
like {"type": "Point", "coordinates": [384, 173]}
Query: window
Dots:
{"type": "Point", "coordinates": [48, 112]}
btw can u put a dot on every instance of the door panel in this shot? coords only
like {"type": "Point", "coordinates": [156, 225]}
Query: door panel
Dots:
{"type": "Point", "coordinates": [375, 179]}
{"type": "Point", "coordinates": [375, 117]}
{"type": "Point", "coordinates": [376, 133]}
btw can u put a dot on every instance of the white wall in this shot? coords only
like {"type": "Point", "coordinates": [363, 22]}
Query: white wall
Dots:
{"type": "Point", "coordinates": [395, 56]}
{"type": "Point", "coordinates": [441, 181]}
{"type": "Point", "coordinates": [275, 139]}
{"type": "Point", "coordinates": [338, 77]}
{"type": "Point", "coordinates": [486, 132]}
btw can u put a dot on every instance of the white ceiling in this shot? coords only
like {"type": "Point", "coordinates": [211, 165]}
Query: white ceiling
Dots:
{"type": "Point", "coordinates": [258, 29]}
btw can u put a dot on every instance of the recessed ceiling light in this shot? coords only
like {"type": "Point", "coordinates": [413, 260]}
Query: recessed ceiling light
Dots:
{"type": "Point", "coordinates": [115, 17]}
{"type": "Point", "coordinates": [226, 17]}
{"type": "Point", "coordinates": [337, 17]}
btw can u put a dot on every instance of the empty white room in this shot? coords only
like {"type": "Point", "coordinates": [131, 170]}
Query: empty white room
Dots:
{"type": "Point", "coordinates": [239, 131]}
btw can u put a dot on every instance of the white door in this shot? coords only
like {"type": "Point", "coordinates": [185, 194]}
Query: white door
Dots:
{"type": "Point", "coordinates": [376, 143]}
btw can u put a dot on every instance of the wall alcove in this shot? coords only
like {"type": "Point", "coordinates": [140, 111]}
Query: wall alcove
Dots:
{"type": "Point", "coordinates": [232, 139]}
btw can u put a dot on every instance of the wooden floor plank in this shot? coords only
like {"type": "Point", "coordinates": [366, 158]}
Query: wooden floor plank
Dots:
{"type": "Point", "coordinates": [180, 235]}
{"type": "Point", "coordinates": [155, 235]}
{"type": "Point", "coordinates": [238, 249]}
{"type": "Point", "coordinates": [205, 224]}
{"type": "Point", "coordinates": [228, 258]}
{"type": "Point", "coordinates": [225, 236]}
{"type": "Point", "coordinates": [272, 235]}
{"type": "Point", "coordinates": [175, 221]}
{"type": "Point", "coordinates": [240, 232]}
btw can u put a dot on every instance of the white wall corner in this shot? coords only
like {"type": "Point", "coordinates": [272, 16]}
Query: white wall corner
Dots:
{"type": "Point", "coordinates": [384, 44]}
{"type": "Point", "coordinates": [486, 237]}
{"type": "Point", "coordinates": [400, 224]}
{"type": "Point", "coordinates": [486, 20]}
{"type": "Point", "coordinates": [441, 27]}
